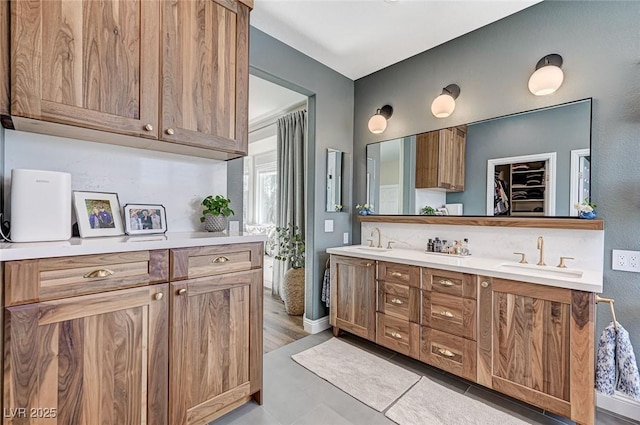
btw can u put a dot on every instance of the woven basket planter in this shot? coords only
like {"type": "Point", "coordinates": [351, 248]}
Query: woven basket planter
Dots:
{"type": "Point", "coordinates": [293, 292]}
{"type": "Point", "coordinates": [215, 223]}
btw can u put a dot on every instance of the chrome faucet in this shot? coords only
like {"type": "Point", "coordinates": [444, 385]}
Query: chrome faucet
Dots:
{"type": "Point", "coordinates": [375, 229]}
{"type": "Point", "coordinates": [541, 248]}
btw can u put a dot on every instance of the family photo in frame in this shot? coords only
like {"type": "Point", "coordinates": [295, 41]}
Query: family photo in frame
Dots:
{"type": "Point", "coordinates": [144, 219]}
{"type": "Point", "coordinates": [98, 214]}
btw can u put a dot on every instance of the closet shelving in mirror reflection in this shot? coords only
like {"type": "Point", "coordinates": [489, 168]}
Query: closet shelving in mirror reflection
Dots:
{"type": "Point", "coordinates": [561, 132]}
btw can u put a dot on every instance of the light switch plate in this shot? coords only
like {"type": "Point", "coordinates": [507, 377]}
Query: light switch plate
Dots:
{"type": "Point", "coordinates": [345, 238]}
{"type": "Point", "coordinates": [628, 261]}
{"type": "Point", "coordinates": [328, 226]}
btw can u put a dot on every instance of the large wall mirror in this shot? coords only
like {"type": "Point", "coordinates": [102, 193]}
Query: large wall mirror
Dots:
{"type": "Point", "coordinates": [334, 180]}
{"type": "Point", "coordinates": [535, 163]}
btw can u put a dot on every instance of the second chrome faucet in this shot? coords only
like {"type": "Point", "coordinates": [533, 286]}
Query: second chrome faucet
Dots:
{"type": "Point", "coordinates": [375, 229]}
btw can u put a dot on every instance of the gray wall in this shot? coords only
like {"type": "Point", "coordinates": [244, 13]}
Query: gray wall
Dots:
{"type": "Point", "coordinates": [330, 126]}
{"type": "Point", "coordinates": [559, 130]}
{"type": "Point", "coordinates": [600, 44]}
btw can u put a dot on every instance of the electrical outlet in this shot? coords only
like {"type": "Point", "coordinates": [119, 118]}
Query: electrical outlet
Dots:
{"type": "Point", "coordinates": [628, 261]}
{"type": "Point", "coordinates": [345, 238]}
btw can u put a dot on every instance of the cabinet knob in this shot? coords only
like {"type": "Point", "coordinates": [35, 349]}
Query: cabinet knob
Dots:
{"type": "Point", "coordinates": [158, 296]}
{"type": "Point", "coordinates": [368, 264]}
{"type": "Point", "coordinates": [396, 274]}
{"type": "Point", "coordinates": [445, 352]}
{"type": "Point", "coordinates": [484, 284]}
{"type": "Point", "coordinates": [446, 313]}
{"type": "Point", "coordinates": [182, 291]}
{"type": "Point", "coordinates": [148, 127]}
{"type": "Point", "coordinates": [170, 131]}
{"type": "Point", "coordinates": [220, 260]}
{"type": "Point", "coordinates": [446, 283]}
{"type": "Point", "coordinates": [396, 335]}
{"type": "Point", "coordinates": [99, 273]}
{"type": "Point", "coordinates": [396, 301]}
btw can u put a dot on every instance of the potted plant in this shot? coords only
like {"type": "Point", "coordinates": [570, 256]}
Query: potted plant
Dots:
{"type": "Point", "coordinates": [427, 210]}
{"type": "Point", "coordinates": [586, 209]}
{"type": "Point", "coordinates": [215, 213]}
{"type": "Point", "coordinates": [291, 250]}
{"type": "Point", "coordinates": [365, 209]}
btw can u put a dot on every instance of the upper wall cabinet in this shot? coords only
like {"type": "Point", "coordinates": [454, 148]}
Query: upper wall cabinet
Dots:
{"type": "Point", "coordinates": [87, 63]}
{"type": "Point", "coordinates": [440, 159]}
{"type": "Point", "coordinates": [205, 74]}
{"type": "Point", "coordinates": [4, 57]}
{"type": "Point", "coordinates": [173, 70]}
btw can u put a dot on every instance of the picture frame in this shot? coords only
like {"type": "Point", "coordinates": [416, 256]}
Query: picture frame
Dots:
{"type": "Point", "coordinates": [145, 219]}
{"type": "Point", "coordinates": [98, 214]}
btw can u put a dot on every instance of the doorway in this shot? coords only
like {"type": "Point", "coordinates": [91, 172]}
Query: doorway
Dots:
{"type": "Point", "coordinates": [268, 102]}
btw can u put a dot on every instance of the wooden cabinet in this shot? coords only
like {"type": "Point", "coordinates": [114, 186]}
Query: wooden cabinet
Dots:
{"type": "Point", "coordinates": [92, 359]}
{"type": "Point", "coordinates": [4, 57]}
{"type": "Point", "coordinates": [536, 343]}
{"type": "Point", "coordinates": [440, 159]}
{"type": "Point", "coordinates": [87, 63]}
{"type": "Point", "coordinates": [205, 74]}
{"type": "Point", "coordinates": [215, 332]}
{"type": "Point", "coordinates": [353, 296]}
{"type": "Point", "coordinates": [176, 71]}
{"type": "Point", "coordinates": [215, 345]}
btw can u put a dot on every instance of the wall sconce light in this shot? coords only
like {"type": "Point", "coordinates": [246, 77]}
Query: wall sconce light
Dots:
{"type": "Point", "coordinates": [548, 76]}
{"type": "Point", "coordinates": [444, 105]}
{"type": "Point", "coordinates": [378, 122]}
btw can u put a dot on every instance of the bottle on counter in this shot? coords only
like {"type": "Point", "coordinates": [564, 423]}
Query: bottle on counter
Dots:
{"type": "Point", "coordinates": [445, 247]}
{"type": "Point", "coordinates": [464, 249]}
{"type": "Point", "coordinates": [437, 245]}
{"type": "Point", "coordinates": [430, 245]}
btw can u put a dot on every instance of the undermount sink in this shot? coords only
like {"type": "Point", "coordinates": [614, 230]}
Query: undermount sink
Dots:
{"type": "Point", "coordinates": [540, 270]}
{"type": "Point", "coordinates": [373, 249]}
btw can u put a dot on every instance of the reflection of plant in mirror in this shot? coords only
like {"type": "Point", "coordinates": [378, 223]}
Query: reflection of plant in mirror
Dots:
{"type": "Point", "coordinates": [427, 210]}
{"type": "Point", "coordinates": [586, 206]}
{"type": "Point", "coordinates": [338, 208]}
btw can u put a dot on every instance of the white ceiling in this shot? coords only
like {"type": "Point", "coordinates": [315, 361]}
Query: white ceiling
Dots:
{"type": "Point", "coordinates": [267, 100]}
{"type": "Point", "coordinates": [359, 37]}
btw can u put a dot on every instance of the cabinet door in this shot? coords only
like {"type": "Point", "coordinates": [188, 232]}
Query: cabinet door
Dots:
{"type": "Point", "coordinates": [4, 57]}
{"type": "Point", "coordinates": [536, 343]}
{"type": "Point", "coordinates": [90, 63]}
{"type": "Point", "coordinates": [95, 359]}
{"type": "Point", "coordinates": [452, 160]}
{"type": "Point", "coordinates": [427, 154]}
{"type": "Point", "coordinates": [215, 345]}
{"type": "Point", "coordinates": [205, 72]}
{"type": "Point", "coordinates": [353, 296]}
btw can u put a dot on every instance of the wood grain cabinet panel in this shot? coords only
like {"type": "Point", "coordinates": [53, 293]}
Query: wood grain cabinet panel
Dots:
{"type": "Point", "coordinates": [4, 57]}
{"type": "Point", "coordinates": [451, 353]}
{"type": "Point", "coordinates": [95, 359]}
{"type": "Point", "coordinates": [190, 263]}
{"type": "Point", "coordinates": [535, 345]}
{"type": "Point", "coordinates": [448, 313]}
{"type": "Point", "coordinates": [399, 273]}
{"type": "Point", "coordinates": [205, 71]}
{"type": "Point", "coordinates": [87, 63]}
{"type": "Point", "coordinates": [353, 296]}
{"type": "Point", "coordinates": [399, 301]}
{"type": "Point", "coordinates": [399, 335]}
{"type": "Point", "coordinates": [215, 345]}
{"type": "Point", "coordinates": [451, 283]}
{"type": "Point", "coordinates": [440, 159]}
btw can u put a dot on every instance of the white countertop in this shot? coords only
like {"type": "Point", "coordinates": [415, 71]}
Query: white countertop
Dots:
{"type": "Point", "coordinates": [78, 246]}
{"type": "Point", "coordinates": [590, 281]}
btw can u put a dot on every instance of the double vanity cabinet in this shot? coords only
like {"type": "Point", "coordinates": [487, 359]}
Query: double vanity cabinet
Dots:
{"type": "Point", "coordinates": [164, 336]}
{"type": "Point", "coordinates": [532, 342]}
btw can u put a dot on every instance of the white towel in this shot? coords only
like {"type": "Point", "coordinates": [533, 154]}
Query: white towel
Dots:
{"type": "Point", "coordinates": [615, 349]}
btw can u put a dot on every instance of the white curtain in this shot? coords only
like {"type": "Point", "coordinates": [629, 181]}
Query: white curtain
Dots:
{"type": "Point", "coordinates": [292, 141]}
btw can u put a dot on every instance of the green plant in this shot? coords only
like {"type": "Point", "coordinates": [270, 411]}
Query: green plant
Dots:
{"type": "Point", "coordinates": [427, 210]}
{"type": "Point", "coordinates": [216, 206]}
{"type": "Point", "coordinates": [290, 245]}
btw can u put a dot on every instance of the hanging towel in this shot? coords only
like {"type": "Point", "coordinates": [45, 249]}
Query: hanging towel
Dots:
{"type": "Point", "coordinates": [326, 290]}
{"type": "Point", "coordinates": [628, 378]}
{"type": "Point", "coordinates": [606, 361]}
{"type": "Point", "coordinates": [615, 349]}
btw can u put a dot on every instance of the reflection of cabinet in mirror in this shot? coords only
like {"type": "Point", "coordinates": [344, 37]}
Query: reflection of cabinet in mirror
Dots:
{"type": "Point", "coordinates": [440, 159]}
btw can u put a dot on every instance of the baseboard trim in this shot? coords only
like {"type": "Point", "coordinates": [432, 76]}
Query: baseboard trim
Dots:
{"type": "Point", "coordinates": [316, 326]}
{"type": "Point", "coordinates": [619, 404]}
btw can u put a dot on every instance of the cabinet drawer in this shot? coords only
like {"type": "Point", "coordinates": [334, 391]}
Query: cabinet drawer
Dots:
{"type": "Point", "coordinates": [28, 281]}
{"type": "Point", "coordinates": [399, 301]}
{"type": "Point", "coordinates": [446, 282]}
{"type": "Point", "coordinates": [189, 263]}
{"type": "Point", "coordinates": [451, 353]}
{"type": "Point", "coordinates": [448, 313]}
{"type": "Point", "coordinates": [398, 335]}
{"type": "Point", "coordinates": [399, 273]}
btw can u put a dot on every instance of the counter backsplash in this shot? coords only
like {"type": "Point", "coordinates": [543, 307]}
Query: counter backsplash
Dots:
{"type": "Point", "coordinates": [586, 246]}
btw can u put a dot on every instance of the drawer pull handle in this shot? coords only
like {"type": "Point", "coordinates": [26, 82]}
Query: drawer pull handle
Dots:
{"type": "Point", "coordinates": [445, 353]}
{"type": "Point", "coordinates": [220, 260]}
{"type": "Point", "coordinates": [484, 284]}
{"type": "Point", "coordinates": [396, 301]}
{"type": "Point", "coordinates": [368, 264]}
{"type": "Point", "coordinates": [446, 313]}
{"type": "Point", "coordinates": [396, 335]}
{"type": "Point", "coordinates": [446, 283]}
{"type": "Point", "coordinates": [396, 274]}
{"type": "Point", "coordinates": [99, 273]}
{"type": "Point", "coordinates": [182, 291]}
{"type": "Point", "coordinates": [158, 296]}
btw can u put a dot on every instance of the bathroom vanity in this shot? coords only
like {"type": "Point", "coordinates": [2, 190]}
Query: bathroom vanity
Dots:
{"type": "Point", "coordinates": [132, 330]}
{"type": "Point", "coordinates": [524, 330]}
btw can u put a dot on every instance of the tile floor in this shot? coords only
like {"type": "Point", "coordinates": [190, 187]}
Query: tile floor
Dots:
{"type": "Point", "coordinates": [295, 396]}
